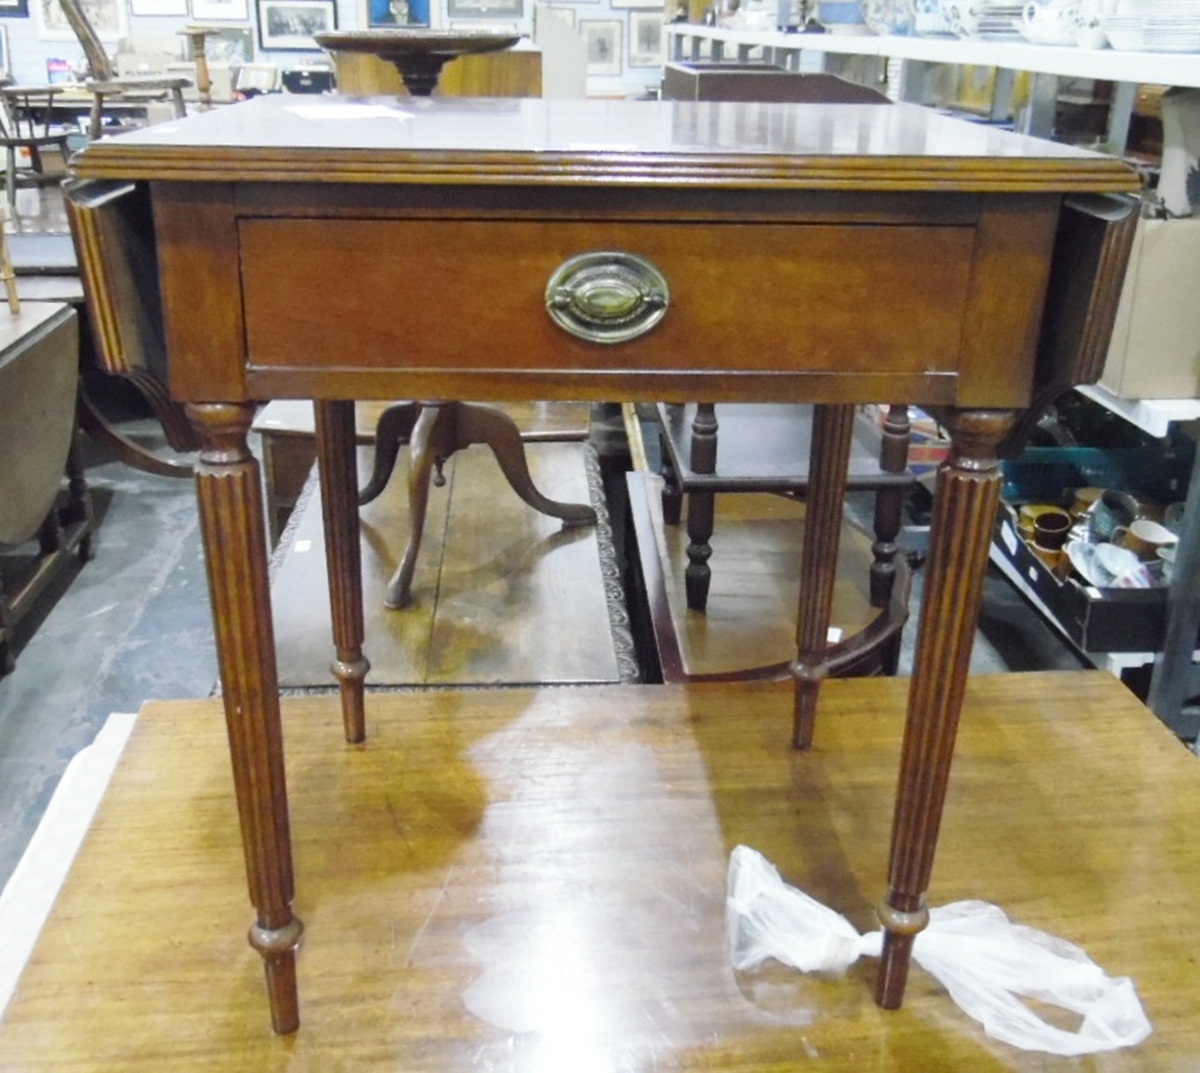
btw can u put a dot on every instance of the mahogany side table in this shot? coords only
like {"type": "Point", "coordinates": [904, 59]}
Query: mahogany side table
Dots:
{"type": "Point", "coordinates": [604, 250]}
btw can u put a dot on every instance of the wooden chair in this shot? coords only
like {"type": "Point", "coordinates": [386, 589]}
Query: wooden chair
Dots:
{"type": "Point", "coordinates": [104, 84]}
{"type": "Point", "coordinates": [26, 118]}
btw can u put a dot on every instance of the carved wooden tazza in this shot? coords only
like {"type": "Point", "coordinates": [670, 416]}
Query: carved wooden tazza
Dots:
{"type": "Point", "coordinates": [833, 254]}
{"type": "Point", "coordinates": [418, 53]}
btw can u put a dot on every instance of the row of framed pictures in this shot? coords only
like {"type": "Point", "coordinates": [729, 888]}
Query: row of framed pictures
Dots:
{"type": "Point", "coordinates": [612, 44]}
{"type": "Point", "coordinates": [285, 25]}
{"type": "Point", "coordinates": [289, 25]}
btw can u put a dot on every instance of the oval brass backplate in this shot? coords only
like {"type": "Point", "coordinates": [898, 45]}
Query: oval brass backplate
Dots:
{"type": "Point", "coordinates": [607, 296]}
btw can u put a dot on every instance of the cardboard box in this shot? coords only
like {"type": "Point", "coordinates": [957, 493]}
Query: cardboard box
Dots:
{"type": "Point", "coordinates": [1155, 350]}
{"type": "Point", "coordinates": [1096, 620]}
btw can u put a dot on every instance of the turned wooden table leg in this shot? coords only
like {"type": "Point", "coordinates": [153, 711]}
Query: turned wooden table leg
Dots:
{"type": "Point", "coordinates": [889, 506]}
{"type": "Point", "coordinates": [968, 491]}
{"type": "Point", "coordinates": [702, 458]}
{"type": "Point", "coordinates": [343, 556]}
{"type": "Point", "coordinates": [229, 489]}
{"type": "Point", "coordinates": [823, 506]}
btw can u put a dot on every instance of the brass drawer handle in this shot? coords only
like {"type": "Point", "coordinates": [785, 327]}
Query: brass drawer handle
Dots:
{"type": "Point", "coordinates": [607, 296]}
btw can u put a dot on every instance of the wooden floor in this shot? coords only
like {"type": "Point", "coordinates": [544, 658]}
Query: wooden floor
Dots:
{"type": "Point", "coordinates": [502, 594]}
{"type": "Point", "coordinates": [534, 881]}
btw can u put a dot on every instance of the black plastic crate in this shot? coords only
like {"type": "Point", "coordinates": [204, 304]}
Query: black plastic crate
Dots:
{"type": "Point", "coordinates": [1159, 471]}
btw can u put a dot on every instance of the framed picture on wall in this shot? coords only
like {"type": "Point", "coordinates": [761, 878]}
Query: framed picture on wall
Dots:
{"type": "Point", "coordinates": [290, 24]}
{"type": "Point", "coordinates": [485, 9]}
{"type": "Point", "coordinates": [221, 10]}
{"type": "Point", "coordinates": [603, 40]}
{"type": "Point", "coordinates": [646, 39]}
{"type": "Point", "coordinates": [14, 9]}
{"type": "Point", "coordinates": [108, 18]}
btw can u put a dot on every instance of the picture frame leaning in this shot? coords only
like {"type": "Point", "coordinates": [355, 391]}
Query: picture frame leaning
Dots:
{"type": "Point", "coordinates": [289, 25]}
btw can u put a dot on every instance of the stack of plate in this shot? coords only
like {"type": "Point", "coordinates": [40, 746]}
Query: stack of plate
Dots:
{"type": "Point", "coordinates": [1173, 26]}
{"type": "Point", "coordinates": [1127, 33]}
{"type": "Point", "coordinates": [983, 18]}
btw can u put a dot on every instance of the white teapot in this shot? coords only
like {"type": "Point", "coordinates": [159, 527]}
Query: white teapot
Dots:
{"type": "Point", "coordinates": [1051, 22]}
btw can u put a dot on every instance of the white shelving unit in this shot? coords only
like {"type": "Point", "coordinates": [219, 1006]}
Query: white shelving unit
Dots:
{"type": "Point", "coordinates": [1047, 63]}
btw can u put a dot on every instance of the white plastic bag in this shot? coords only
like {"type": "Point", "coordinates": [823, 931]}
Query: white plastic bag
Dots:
{"type": "Point", "coordinates": [986, 962]}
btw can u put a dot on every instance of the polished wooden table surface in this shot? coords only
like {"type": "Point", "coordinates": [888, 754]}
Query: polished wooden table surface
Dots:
{"type": "Point", "coordinates": [553, 895]}
{"type": "Point", "coordinates": [336, 249]}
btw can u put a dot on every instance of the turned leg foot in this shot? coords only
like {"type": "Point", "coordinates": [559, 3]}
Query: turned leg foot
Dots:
{"type": "Point", "coordinates": [697, 575]}
{"type": "Point", "coordinates": [343, 556]}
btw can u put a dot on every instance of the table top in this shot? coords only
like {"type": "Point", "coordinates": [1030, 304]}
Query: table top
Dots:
{"type": "Point", "coordinates": [598, 143]}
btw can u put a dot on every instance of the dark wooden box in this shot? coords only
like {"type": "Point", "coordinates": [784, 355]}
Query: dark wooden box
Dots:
{"type": "Point", "coordinates": [730, 82]}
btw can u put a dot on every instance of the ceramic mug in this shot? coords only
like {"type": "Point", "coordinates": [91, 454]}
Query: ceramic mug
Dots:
{"type": "Point", "coordinates": [1144, 537]}
{"type": "Point", "coordinates": [1054, 559]}
{"type": "Point", "coordinates": [1051, 529]}
{"type": "Point", "coordinates": [1113, 509]}
{"type": "Point", "coordinates": [1028, 514]}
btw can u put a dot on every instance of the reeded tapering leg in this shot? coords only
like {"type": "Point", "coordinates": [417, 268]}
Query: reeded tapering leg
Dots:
{"type": "Point", "coordinates": [965, 500]}
{"type": "Point", "coordinates": [702, 458]}
{"type": "Point", "coordinates": [823, 506]}
{"type": "Point", "coordinates": [343, 556]}
{"type": "Point", "coordinates": [229, 488]}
